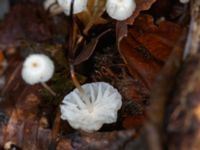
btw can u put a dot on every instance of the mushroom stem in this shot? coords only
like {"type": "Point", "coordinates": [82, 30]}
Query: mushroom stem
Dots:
{"type": "Point", "coordinates": [48, 88]}
{"type": "Point", "coordinates": [84, 96]}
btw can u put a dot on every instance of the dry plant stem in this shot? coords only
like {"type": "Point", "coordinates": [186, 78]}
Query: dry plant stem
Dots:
{"type": "Point", "coordinates": [48, 88]}
{"type": "Point", "coordinates": [71, 47]}
{"type": "Point", "coordinates": [185, 116]}
{"type": "Point", "coordinates": [81, 90]}
{"type": "Point", "coordinates": [193, 38]}
{"type": "Point", "coordinates": [74, 37]}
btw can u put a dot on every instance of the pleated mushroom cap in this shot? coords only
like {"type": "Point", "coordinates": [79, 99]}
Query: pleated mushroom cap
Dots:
{"type": "Point", "coordinates": [105, 101]}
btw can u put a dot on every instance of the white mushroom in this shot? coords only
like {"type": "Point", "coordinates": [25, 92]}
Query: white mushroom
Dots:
{"type": "Point", "coordinates": [52, 6]}
{"type": "Point", "coordinates": [79, 6]}
{"type": "Point", "coordinates": [37, 68]}
{"type": "Point", "coordinates": [47, 3]}
{"type": "Point", "coordinates": [88, 113]}
{"type": "Point", "coordinates": [120, 9]}
{"type": "Point", "coordinates": [184, 1]}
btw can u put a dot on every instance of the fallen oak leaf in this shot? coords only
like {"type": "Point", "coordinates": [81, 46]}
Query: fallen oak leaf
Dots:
{"type": "Point", "coordinates": [146, 48]}
{"type": "Point", "coordinates": [145, 68]}
{"type": "Point", "coordinates": [154, 37]}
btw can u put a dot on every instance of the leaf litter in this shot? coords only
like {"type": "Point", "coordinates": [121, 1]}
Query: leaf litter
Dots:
{"type": "Point", "coordinates": [131, 62]}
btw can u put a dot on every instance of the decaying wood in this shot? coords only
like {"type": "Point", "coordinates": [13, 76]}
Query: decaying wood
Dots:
{"type": "Point", "coordinates": [183, 112]}
{"type": "Point", "coordinates": [182, 128]}
{"type": "Point", "coordinates": [160, 95]}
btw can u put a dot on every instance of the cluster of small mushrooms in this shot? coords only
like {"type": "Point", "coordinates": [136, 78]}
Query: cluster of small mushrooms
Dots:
{"type": "Point", "coordinates": [88, 110]}
{"type": "Point", "coordinates": [116, 9]}
{"type": "Point", "coordinates": [97, 103]}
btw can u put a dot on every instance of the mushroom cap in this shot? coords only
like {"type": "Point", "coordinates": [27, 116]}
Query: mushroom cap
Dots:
{"type": "Point", "coordinates": [120, 9]}
{"type": "Point", "coordinates": [105, 100]}
{"type": "Point", "coordinates": [184, 1]}
{"type": "Point", "coordinates": [79, 6]}
{"type": "Point", "coordinates": [48, 3]}
{"type": "Point", "coordinates": [37, 68]}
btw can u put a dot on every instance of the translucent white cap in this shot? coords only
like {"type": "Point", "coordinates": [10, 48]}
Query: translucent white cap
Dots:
{"type": "Point", "coordinates": [105, 102]}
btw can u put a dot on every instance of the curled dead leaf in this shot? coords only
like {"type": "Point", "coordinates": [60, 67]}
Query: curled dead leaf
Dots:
{"type": "Point", "coordinates": [141, 5]}
{"type": "Point", "coordinates": [146, 48]}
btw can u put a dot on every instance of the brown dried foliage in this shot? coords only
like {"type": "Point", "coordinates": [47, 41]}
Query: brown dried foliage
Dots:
{"type": "Point", "coordinates": [147, 47]}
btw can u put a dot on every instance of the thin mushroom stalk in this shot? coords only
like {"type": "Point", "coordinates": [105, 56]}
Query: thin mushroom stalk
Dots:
{"type": "Point", "coordinates": [89, 106]}
{"type": "Point", "coordinates": [48, 88]}
{"type": "Point", "coordinates": [84, 96]}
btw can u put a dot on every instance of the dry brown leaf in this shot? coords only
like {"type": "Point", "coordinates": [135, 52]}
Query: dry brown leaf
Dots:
{"type": "Point", "coordinates": [147, 47]}
{"type": "Point", "coordinates": [121, 26]}
{"type": "Point", "coordinates": [88, 49]}
{"type": "Point", "coordinates": [141, 5]}
{"type": "Point", "coordinates": [92, 16]}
